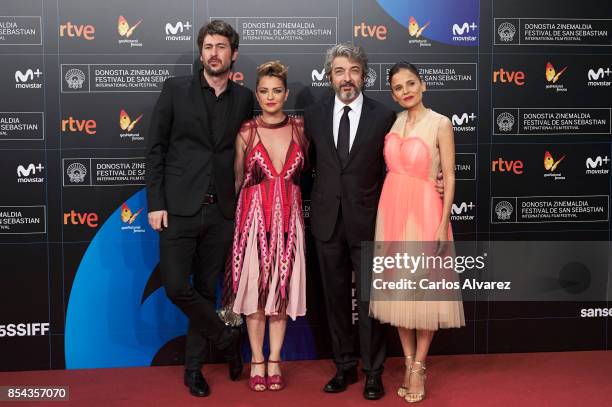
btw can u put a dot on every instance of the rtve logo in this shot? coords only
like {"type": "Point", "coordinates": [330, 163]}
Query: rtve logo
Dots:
{"type": "Point", "coordinates": [501, 165]}
{"type": "Point", "coordinates": [85, 31]}
{"type": "Point", "coordinates": [504, 76]}
{"type": "Point", "coordinates": [76, 218]}
{"type": "Point", "coordinates": [237, 77]}
{"type": "Point", "coordinates": [73, 125]}
{"type": "Point", "coordinates": [370, 31]}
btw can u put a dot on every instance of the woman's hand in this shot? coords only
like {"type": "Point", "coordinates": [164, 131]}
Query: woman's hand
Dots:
{"type": "Point", "coordinates": [442, 239]}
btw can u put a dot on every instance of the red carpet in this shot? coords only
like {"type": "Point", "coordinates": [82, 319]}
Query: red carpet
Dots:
{"type": "Point", "coordinates": [525, 379]}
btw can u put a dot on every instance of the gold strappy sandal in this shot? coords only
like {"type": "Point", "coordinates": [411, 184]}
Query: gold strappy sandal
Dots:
{"type": "Point", "coordinates": [402, 391]}
{"type": "Point", "coordinates": [420, 370]}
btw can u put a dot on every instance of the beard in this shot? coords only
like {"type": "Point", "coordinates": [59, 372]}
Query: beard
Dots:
{"type": "Point", "coordinates": [222, 69]}
{"type": "Point", "coordinates": [347, 96]}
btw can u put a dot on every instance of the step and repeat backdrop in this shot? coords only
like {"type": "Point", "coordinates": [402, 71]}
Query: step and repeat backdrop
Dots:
{"type": "Point", "coordinates": [526, 84]}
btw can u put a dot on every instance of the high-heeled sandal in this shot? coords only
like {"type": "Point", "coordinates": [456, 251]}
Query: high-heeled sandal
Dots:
{"type": "Point", "coordinates": [257, 380]}
{"type": "Point", "coordinates": [275, 380]}
{"type": "Point", "coordinates": [403, 389]}
{"type": "Point", "coordinates": [420, 370]}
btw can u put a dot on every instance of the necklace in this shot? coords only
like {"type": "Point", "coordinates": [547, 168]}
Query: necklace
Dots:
{"type": "Point", "coordinates": [267, 125]}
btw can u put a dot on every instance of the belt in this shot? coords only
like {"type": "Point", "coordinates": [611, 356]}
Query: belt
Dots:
{"type": "Point", "coordinates": [209, 199]}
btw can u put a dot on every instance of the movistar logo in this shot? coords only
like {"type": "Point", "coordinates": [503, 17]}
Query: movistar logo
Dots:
{"type": "Point", "coordinates": [30, 170]}
{"type": "Point", "coordinates": [599, 74]}
{"type": "Point", "coordinates": [463, 208]}
{"type": "Point", "coordinates": [319, 80]}
{"type": "Point", "coordinates": [594, 166]}
{"type": "Point", "coordinates": [464, 29]}
{"type": "Point", "coordinates": [599, 77]}
{"type": "Point", "coordinates": [29, 174]}
{"type": "Point", "coordinates": [463, 119]}
{"type": "Point", "coordinates": [27, 76]}
{"type": "Point", "coordinates": [464, 122]}
{"type": "Point", "coordinates": [462, 212]}
{"type": "Point", "coordinates": [26, 80]}
{"type": "Point", "coordinates": [178, 27]}
{"type": "Point", "coordinates": [318, 76]}
{"type": "Point", "coordinates": [597, 162]}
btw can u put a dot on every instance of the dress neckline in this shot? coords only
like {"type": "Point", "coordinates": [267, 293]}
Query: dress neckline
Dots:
{"type": "Point", "coordinates": [275, 172]}
{"type": "Point", "coordinates": [405, 135]}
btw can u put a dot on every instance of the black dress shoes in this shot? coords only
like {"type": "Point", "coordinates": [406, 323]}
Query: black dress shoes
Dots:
{"type": "Point", "coordinates": [233, 356]}
{"type": "Point", "coordinates": [341, 380]}
{"type": "Point", "coordinates": [196, 383]}
{"type": "Point", "coordinates": [235, 366]}
{"type": "Point", "coordinates": [373, 389]}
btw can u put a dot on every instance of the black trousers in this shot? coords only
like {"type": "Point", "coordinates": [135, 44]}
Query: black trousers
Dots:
{"type": "Point", "coordinates": [338, 257]}
{"type": "Point", "coordinates": [197, 244]}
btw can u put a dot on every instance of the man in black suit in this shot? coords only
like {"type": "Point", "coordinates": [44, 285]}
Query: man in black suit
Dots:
{"type": "Point", "coordinates": [191, 193]}
{"type": "Point", "coordinates": [348, 132]}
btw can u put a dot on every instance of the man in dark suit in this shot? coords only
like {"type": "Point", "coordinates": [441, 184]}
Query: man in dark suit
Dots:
{"type": "Point", "coordinates": [348, 132]}
{"type": "Point", "coordinates": [191, 193]}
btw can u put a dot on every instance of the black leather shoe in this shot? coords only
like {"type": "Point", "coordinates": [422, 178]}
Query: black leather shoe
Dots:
{"type": "Point", "coordinates": [235, 366]}
{"type": "Point", "coordinates": [233, 356]}
{"type": "Point", "coordinates": [341, 380]}
{"type": "Point", "coordinates": [196, 383]}
{"type": "Point", "coordinates": [373, 389]}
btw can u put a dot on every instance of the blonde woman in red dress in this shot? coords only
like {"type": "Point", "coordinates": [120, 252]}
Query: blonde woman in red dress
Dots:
{"type": "Point", "coordinates": [266, 273]}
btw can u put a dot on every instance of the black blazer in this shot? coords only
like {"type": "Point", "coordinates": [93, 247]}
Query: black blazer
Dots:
{"type": "Point", "coordinates": [181, 150]}
{"type": "Point", "coordinates": [357, 186]}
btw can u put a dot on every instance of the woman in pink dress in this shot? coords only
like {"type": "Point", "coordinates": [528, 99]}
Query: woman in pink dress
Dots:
{"type": "Point", "coordinates": [266, 272]}
{"type": "Point", "coordinates": [418, 146]}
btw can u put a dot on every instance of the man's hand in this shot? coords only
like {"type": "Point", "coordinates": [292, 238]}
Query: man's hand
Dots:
{"type": "Point", "coordinates": [440, 185]}
{"type": "Point", "coordinates": [158, 220]}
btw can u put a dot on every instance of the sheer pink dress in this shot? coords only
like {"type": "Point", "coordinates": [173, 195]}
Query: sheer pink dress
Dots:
{"type": "Point", "coordinates": [410, 210]}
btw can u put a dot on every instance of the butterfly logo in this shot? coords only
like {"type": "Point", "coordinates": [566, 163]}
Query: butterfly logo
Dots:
{"type": "Point", "coordinates": [125, 122]}
{"type": "Point", "coordinates": [413, 27]}
{"type": "Point", "coordinates": [126, 214]}
{"type": "Point", "coordinates": [549, 162]}
{"type": "Point", "coordinates": [124, 28]}
{"type": "Point", "coordinates": [551, 74]}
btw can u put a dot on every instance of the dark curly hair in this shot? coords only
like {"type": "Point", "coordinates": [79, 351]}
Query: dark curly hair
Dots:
{"type": "Point", "coordinates": [219, 27]}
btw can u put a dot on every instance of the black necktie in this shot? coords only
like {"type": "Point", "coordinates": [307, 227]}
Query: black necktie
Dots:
{"type": "Point", "coordinates": [344, 134]}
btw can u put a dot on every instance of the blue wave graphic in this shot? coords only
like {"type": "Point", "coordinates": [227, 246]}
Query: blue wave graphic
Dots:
{"type": "Point", "coordinates": [442, 14]}
{"type": "Point", "coordinates": [106, 324]}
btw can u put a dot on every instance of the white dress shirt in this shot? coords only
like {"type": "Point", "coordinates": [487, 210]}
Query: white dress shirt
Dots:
{"type": "Point", "coordinates": [354, 115]}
